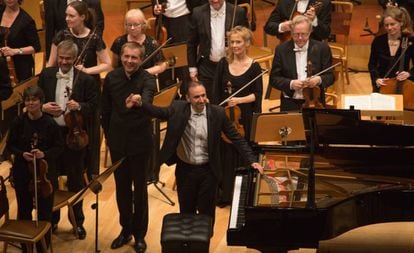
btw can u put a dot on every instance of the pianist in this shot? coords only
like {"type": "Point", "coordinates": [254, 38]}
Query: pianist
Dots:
{"type": "Point", "coordinates": [193, 142]}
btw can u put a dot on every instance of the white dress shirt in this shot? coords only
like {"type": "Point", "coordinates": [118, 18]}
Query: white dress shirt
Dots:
{"type": "Point", "coordinates": [61, 95]}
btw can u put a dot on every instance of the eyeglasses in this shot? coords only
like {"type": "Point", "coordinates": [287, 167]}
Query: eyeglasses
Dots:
{"type": "Point", "coordinates": [134, 25]}
{"type": "Point", "coordinates": [303, 35]}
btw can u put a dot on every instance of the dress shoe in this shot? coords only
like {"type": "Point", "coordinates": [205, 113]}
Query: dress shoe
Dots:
{"type": "Point", "coordinates": [120, 241]}
{"type": "Point", "coordinates": [140, 245]}
{"type": "Point", "coordinates": [81, 232]}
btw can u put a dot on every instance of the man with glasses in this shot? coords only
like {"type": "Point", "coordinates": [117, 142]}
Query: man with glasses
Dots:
{"type": "Point", "coordinates": [290, 73]}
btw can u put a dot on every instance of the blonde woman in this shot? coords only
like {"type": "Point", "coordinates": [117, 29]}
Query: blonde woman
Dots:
{"type": "Point", "coordinates": [136, 25]}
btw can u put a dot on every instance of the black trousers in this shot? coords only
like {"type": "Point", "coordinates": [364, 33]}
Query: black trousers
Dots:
{"type": "Point", "coordinates": [196, 188]}
{"type": "Point", "coordinates": [290, 104]}
{"type": "Point", "coordinates": [132, 202]}
{"type": "Point", "coordinates": [206, 71]}
{"type": "Point", "coordinates": [72, 164]}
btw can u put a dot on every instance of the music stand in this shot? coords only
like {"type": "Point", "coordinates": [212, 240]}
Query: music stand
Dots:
{"type": "Point", "coordinates": [95, 186]}
{"type": "Point", "coordinates": [161, 99]}
{"type": "Point", "coordinates": [176, 56]}
{"type": "Point", "coordinates": [273, 127]}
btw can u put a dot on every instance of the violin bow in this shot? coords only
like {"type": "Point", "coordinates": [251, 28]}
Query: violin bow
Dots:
{"type": "Point", "coordinates": [233, 18]}
{"type": "Point", "coordinates": [404, 45]}
{"type": "Point", "coordinates": [155, 52]}
{"type": "Point", "coordinates": [34, 144]}
{"type": "Point", "coordinates": [82, 54]}
{"type": "Point", "coordinates": [325, 70]}
{"type": "Point", "coordinates": [245, 86]}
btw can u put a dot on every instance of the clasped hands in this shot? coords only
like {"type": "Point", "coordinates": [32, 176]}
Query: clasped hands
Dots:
{"type": "Point", "coordinates": [307, 83]}
{"type": "Point", "coordinates": [55, 110]}
{"type": "Point", "coordinates": [35, 153]}
{"type": "Point", "coordinates": [133, 100]}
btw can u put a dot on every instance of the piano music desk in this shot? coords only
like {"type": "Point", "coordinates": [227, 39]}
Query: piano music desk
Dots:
{"type": "Point", "coordinates": [374, 113]}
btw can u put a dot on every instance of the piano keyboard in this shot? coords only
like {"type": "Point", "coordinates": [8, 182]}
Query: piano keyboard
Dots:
{"type": "Point", "coordinates": [237, 215]}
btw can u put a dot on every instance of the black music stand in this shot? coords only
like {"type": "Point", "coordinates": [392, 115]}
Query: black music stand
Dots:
{"type": "Point", "coordinates": [161, 99]}
{"type": "Point", "coordinates": [95, 186]}
{"type": "Point", "coordinates": [176, 56]}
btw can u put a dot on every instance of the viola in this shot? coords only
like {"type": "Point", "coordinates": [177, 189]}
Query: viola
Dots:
{"type": "Point", "coordinates": [77, 138]}
{"type": "Point", "coordinates": [406, 87]}
{"type": "Point", "coordinates": [287, 35]}
{"type": "Point", "coordinates": [234, 114]}
{"type": "Point", "coordinates": [312, 95]}
{"type": "Point", "coordinates": [39, 168]}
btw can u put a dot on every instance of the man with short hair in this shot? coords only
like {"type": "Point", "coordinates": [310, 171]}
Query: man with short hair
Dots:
{"type": "Point", "coordinates": [68, 90]}
{"type": "Point", "coordinates": [192, 142]}
{"type": "Point", "coordinates": [289, 69]}
{"type": "Point", "coordinates": [128, 134]}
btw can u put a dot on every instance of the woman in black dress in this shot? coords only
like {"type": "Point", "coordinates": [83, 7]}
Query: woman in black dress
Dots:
{"type": "Point", "coordinates": [18, 38]}
{"type": "Point", "coordinates": [386, 48]}
{"type": "Point", "coordinates": [232, 73]}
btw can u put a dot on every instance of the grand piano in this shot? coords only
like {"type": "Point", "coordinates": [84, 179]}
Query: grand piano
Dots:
{"type": "Point", "coordinates": [347, 173]}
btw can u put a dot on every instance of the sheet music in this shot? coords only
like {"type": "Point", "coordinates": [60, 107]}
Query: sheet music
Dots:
{"type": "Point", "coordinates": [375, 101]}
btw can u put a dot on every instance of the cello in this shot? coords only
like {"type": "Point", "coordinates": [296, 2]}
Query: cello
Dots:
{"type": "Point", "coordinates": [406, 87]}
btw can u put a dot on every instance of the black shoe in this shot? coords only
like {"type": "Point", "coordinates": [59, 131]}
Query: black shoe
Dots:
{"type": "Point", "coordinates": [120, 241]}
{"type": "Point", "coordinates": [140, 245]}
{"type": "Point", "coordinates": [81, 232]}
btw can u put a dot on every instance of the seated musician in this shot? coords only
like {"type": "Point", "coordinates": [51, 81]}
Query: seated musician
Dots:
{"type": "Point", "coordinates": [279, 22]}
{"type": "Point", "coordinates": [292, 58]}
{"type": "Point", "coordinates": [69, 91]}
{"type": "Point", "coordinates": [34, 134]}
{"type": "Point", "coordinates": [387, 48]}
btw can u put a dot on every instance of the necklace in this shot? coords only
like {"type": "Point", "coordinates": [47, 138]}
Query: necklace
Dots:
{"type": "Point", "coordinates": [393, 43]}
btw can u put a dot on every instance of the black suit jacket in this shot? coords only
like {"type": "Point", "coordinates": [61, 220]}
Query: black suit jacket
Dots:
{"type": "Point", "coordinates": [85, 91]}
{"type": "Point", "coordinates": [127, 131]}
{"type": "Point", "coordinates": [282, 13]}
{"type": "Point", "coordinates": [200, 30]}
{"type": "Point", "coordinates": [191, 4]}
{"type": "Point", "coordinates": [178, 115]}
{"type": "Point", "coordinates": [284, 66]}
{"type": "Point", "coordinates": [55, 18]}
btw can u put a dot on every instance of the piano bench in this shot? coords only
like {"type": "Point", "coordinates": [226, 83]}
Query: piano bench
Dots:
{"type": "Point", "coordinates": [186, 233]}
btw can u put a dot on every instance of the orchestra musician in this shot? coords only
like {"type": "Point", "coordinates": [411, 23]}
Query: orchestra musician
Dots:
{"type": "Point", "coordinates": [236, 70]}
{"type": "Point", "coordinates": [280, 19]}
{"type": "Point", "coordinates": [49, 147]}
{"type": "Point", "coordinates": [192, 142]}
{"type": "Point", "coordinates": [386, 48]}
{"type": "Point", "coordinates": [56, 81]}
{"type": "Point", "coordinates": [206, 44]}
{"type": "Point", "coordinates": [18, 30]}
{"type": "Point", "coordinates": [80, 26]}
{"type": "Point", "coordinates": [55, 18]}
{"type": "Point", "coordinates": [289, 68]}
{"type": "Point", "coordinates": [129, 134]}
{"type": "Point", "coordinates": [135, 25]}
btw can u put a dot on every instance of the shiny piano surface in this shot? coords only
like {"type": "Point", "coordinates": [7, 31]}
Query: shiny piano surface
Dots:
{"type": "Point", "coordinates": [363, 175]}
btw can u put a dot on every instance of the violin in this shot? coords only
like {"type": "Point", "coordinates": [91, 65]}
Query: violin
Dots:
{"type": "Point", "coordinates": [9, 60]}
{"type": "Point", "coordinates": [287, 35]}
{"type": "Point", "coordinates": [39, 168]}
{"type": "Point", "coordinates": [158, 26]}
{"type": "Point", "coordinates": [234, 114]}
{"type": "Point", "coordinates": [77, 138]}
{"type": "Point", "coordinates": [406, 87]}
{"type": "Point", "coordinates": [311, 95]}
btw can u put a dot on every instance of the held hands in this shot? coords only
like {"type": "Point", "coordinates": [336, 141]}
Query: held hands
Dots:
{"type": "Point", "coordinates": [258, 167]}
{"type": "Point", "coordinates": [52, 108]}
{"type": "Point", "coordinates": [233, 101]}
{"type": "Point", "coordinates": [28, 156]}
{"type": "Point", "coordinates": [72, 105]}
{"type": "Point", "coordinates": [133, 100]}
{"type": "Point", "coordinates": [7, 51]}
{"type": "Point", "coordinates": [157, 9]}
{"type": "Point", "coordinates": [403, 75]}
{"type": "Point", "coordinates": [312, 82]}
{"type": "Point", "coordinates": [285, 26]}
